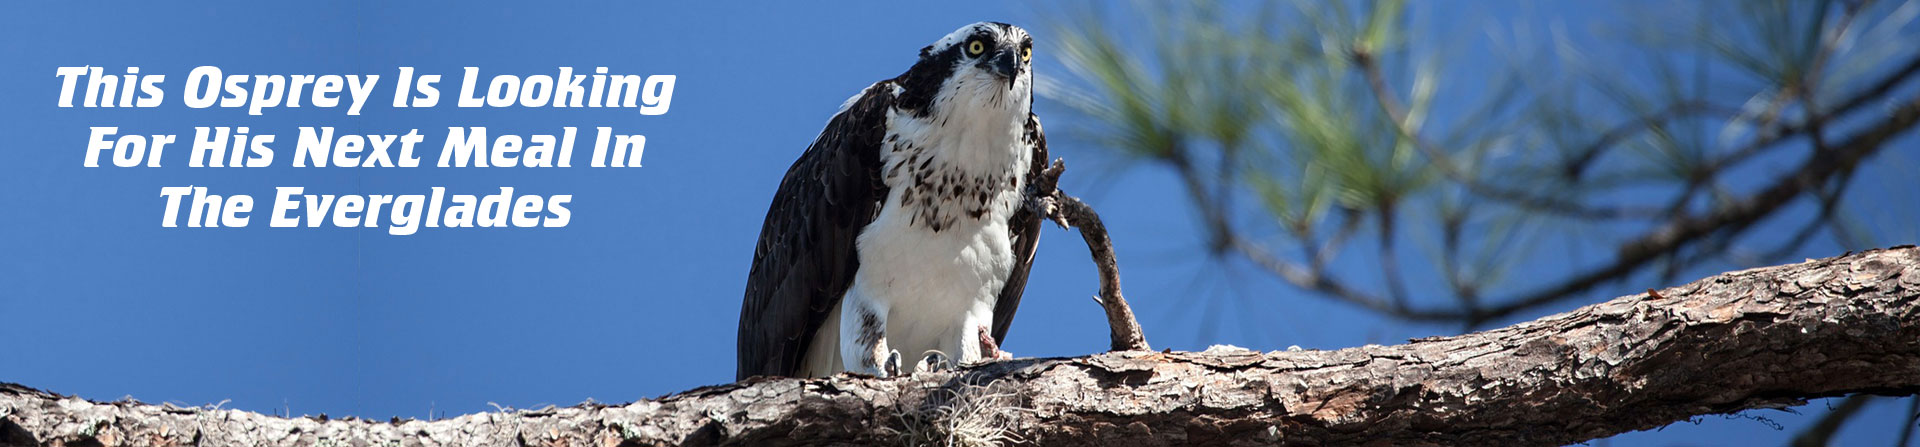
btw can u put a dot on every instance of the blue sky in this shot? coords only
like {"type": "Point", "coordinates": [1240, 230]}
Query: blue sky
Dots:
{"type": "Point", "coordinates": [637, 297]}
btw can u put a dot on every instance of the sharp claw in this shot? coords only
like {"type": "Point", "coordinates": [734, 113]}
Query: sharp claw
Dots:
{"type": "Point", "coordinates": [1051, 209]}
{"type": "Point", "coordinates": [990, 350]}
{"type": "Point", "coordinates": [934, 361]}
{"type": "Point", "coordinates": [892, 366]}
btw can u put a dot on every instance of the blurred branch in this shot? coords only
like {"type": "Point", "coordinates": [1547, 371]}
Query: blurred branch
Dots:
{"type": "Point", "coordinates": [1821, 433]}
{"type": "Point", "coordinates": [1677, 232]}
{"type": "Point", "coordinates": [1878, 91]}
{"type": "Point", "coordinates": [1452, 224]}
{"type": "Point", "coordinates": [1212, 207]}
{"type": "Point", "coordinates": [1389, 261]}
{"type": "Point", "coordinates": [1397, 113]}
{"type": "Point", "coordinates": [1373, 163]}
{"type": "Point", "coordinates": [1319, 257]}
{"type": "Point", "coordinates": [1733, 217]}
{"type": "Point", "coordinates": [1681, 228]}
{"type": "Point", "coordinates": [1315, 278]}
{"type": "Point", "coordinates": [1829, 205]}
{"type": "Point", "coordinates": [1586, 155]}
{"type": "Point", "coordinates": [1907, 425]}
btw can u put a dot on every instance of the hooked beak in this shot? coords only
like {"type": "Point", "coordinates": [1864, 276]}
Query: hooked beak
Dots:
{"type": "Point", "coordinates": [1006, 64]}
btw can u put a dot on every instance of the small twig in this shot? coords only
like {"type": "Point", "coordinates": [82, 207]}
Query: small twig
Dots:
{"type": "Point", "coordinates": [1069, 212]}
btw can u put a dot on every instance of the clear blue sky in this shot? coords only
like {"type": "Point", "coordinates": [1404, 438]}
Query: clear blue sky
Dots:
{"type": "Point", "coordinates": [636, 298]}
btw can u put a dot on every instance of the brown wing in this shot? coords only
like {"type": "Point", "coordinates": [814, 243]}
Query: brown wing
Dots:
{"type": "Point", "coordinates": [1025, 226]}
{"type": "Point", "coordinates": [805, 259]}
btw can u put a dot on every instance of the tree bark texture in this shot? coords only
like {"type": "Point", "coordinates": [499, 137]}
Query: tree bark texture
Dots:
{"type": "Point", "coordinates": [1761, 338]}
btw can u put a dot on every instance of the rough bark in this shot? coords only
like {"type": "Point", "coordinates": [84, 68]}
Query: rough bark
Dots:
{"type": "Point", "coordinates": [1760, 338]}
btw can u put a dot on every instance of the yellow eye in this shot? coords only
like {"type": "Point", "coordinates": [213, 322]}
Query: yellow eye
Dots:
{"type": "Point", "coordinates": [975, 48]}
{"type": "Point", "coordinates": [1026, 54]}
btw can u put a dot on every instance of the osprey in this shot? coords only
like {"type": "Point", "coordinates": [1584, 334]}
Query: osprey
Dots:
{"type": "Point", "coordinates": [902, 228]}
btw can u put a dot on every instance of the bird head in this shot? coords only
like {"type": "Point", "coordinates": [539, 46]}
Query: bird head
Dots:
{"type": "Point", "coordinates": [989, 63]}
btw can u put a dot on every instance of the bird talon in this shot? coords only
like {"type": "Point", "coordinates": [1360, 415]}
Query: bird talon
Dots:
{"type": "Point", "coordinates": [990, 351]}
{"type": "Point", "coordinates": [891, 367]}
{"type": "Point", "coordinates": [935, 361]}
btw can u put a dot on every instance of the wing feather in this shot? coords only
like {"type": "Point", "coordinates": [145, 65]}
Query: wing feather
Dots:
{"type": "Point", "coordinates": [806, 259]}
{"type": "Point", "coordinates": [1025, 225]}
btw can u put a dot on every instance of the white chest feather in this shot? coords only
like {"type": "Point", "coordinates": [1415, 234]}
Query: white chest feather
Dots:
{"type": "Point", "coordinates": [940, 251]}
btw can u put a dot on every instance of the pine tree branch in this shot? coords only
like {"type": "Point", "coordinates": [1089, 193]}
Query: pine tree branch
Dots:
{"type": "Point", "coordinates": [1761, 338]}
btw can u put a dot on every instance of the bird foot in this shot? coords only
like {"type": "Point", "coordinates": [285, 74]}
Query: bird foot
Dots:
{"type": "Point", "coordinates": [990, 351]}
{"type": "Point", "coordinates": [935, 361]}
{"type": "Point", "coordinates": [891, 367]}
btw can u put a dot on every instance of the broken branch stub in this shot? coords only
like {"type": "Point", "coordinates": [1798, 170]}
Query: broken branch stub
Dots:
{"type": "Point", "coordinates": [1046, 199]}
